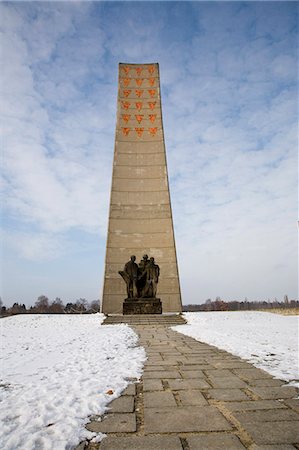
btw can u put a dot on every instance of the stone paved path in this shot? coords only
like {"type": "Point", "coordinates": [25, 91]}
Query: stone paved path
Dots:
{"type": "Point", "coordinates": [196, 397]}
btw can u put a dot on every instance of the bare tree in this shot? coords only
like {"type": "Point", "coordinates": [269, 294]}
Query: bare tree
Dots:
{"type": "Point", "coordinates": [42, 304]}
{"type": "Point", "coordinates": [56, 306]}
{"type": "Point", "coordinates": [95, 306]}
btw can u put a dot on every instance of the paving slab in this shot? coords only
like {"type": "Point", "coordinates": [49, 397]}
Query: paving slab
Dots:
{"type": "Point", "coordinates": [273, 447]}
{"type": "Point", "coordinates": [156, 360]}
{"type": "Point", "coordinates": [171, 360]}
{"type": "Point", "coordinates": [114, 423]}
{"type": "Point", "coordinates": [159, 374]}
{"type": "Point", "coordinates": [130, 390]}
{"type": "Point", "coordinates": [158, 368]}
{"type": "Point", "coordinates": [269, 393]}
{"type": "Point", "coordinates": [270, 415]}
{"type": "Point", "coordinates": [227, 395]}
{"type": "Point", "coordinates": [191, 398]}
{"type": "Point", "coordinates": [196, 366]}
{"type": "Point", "coordinates": [142, 443]}
{"type": "Point", "coordinates": [252, 373]}
{"type": "Point", "coordinates": [219, 373]}
{"type": "Point", "coordinates": [227, 382]}
{"type": "Point", "coordinates": [266, 382]}
{"type": "Point", "coordinates": [273, 432]}
{"type": "Point", "coordinates": [255, 405]}
{"type": "Point", "coordinates": [159, 399]}
{"type": "Point", "coordinates": [293, 403]}
{"type": "Point", "coordinates": [191, 383]}
{"type": "Point", "coordinates": [161, 362]}
{"type": "Point", "coordinates": [123, 404]}
{"type": "Point", "coordinates": [215, 441]}
{"type": "Point", "coordinates": [184, 419]}
{"type": "Point", "coordinates": [192, 374]}
{"type": "Point", "coordinates": [152, 385]}
{"type": "Point", "coordinates": [190, 359]}
{"type": "Point", "coordinates": [237, 364]}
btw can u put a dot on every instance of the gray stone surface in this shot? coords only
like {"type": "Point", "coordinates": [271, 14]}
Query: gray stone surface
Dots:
{"type": "Point", "coordinates": [254, 405]}
{"type": "Point", "coordinates": [123, 404]}
{"type": "Point", "coordinates": [191, 398]}
{"type": "Point", "coordinates": [130, 390]}
{"type": "Point", "coordinates": [192, 374]}
{"type": "Point", "coordinates": [159, 374]}
{"type": "Point", "coordinates": [271, 415]}
{"type": "Point", "coordinates": [227, 395]}
{"type": "Point", "coordinates": [195, 367]}
{"type": "Point", "coordinates": [157, 368]}
{"type": "Point", "coordinates": [114, 423]}
{"type": "Point", "coordinates": [184, 419]}
{"type": "Point", "coordinates": [266, 382]}
{"type": "Point", "coordinates": [232, 364]}
{"type": "Point", "coordinates": [273, 432]}
{"type": "Point", "coordinates": [252, 373]}
{"type": "Point", "coordinates": [175, 359]}
{"type": "Point", "coordinates": [141, 443]}
{"type": "Point", "coordinates": [293, 403]}
{"type": "Point", "coordinates": [152, 385]}
{"type": "Point", "coordinates": [269, 393]}
{"type": "Point", "coordinates": [191, 383]}
{"type": "Point", "coordinates": [219, 373]}
{"type": "Point", "coordinates": [273, 447]}
{"type": "Point", "coordinates": [158, 399]}
{"type": "Point", "coordinates": [215, 441]}
{"type": "Point", "coordinates": [227, 382]}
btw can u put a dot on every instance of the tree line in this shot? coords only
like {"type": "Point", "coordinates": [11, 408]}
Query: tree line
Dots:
{"type": "Point", "coordinates": [81, 306]}
{"type": "Point", "coordinates": [44, 306]}
{"type": "Point", "coordinates": [221, 305]}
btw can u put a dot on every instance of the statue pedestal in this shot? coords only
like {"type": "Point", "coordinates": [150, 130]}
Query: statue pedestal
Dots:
{"type": "Point", "coordinates": [142, 306]}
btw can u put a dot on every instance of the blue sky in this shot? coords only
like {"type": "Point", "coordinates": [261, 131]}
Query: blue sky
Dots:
{"type": "Point", "coordinates": [229, 85]}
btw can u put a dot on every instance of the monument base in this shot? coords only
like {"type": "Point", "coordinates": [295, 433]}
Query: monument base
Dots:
{"type": "Point", "coordinates": [142, 306]}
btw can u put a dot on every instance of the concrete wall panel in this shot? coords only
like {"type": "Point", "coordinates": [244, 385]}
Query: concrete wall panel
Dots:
{"type": "Point", "coordinates": [139, 185]}
{"type": "Point", "coordinates": [144, 172]}
{"type": "Point", "coordinates": [139, 159]}
{"type": "Point", "coordinates": [135, 147]}
{"type": "Point", "coordinates": [135, 225]}
{"type": "Point", "coordinates": [138, 212]}
{"type": "Point", "coordinates": [140, 198]}
{"type": "Point", "coordinates": [140, 240]}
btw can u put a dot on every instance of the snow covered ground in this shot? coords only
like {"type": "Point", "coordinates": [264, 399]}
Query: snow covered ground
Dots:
{"type": "Point", "coordinates": [56, 370]}
{"type": "Point", "coordinates": [269, 341]}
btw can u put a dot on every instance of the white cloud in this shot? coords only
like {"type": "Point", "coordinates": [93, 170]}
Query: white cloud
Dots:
{"type": "Point", "coordinates": [52, 160]}
{"type": "Point", "coordinates": [36, 246]}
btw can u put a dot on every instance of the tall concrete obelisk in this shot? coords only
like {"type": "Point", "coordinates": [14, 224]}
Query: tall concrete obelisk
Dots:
{"type": "Point", "coordinates": [140, 217]}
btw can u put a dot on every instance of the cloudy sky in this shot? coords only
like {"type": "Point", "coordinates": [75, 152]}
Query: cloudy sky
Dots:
{"type": "Point", "coordinates": [229, 98]}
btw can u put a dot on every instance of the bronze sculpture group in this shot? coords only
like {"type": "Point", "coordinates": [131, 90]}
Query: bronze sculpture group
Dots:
{"type": "Point", "coordinates": [142, 279]}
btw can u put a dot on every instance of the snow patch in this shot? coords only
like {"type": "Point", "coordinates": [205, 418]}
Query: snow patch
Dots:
{"type": "Point", "coordinates": [55, 373]}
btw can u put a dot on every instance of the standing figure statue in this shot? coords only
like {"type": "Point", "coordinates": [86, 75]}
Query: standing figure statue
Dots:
{"type": "Point", "coordinates": [151, 273]}
{"type": "Point", "coordinates": [130, 275]}
{"type": "Point", "coordinates": [142, 274]}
